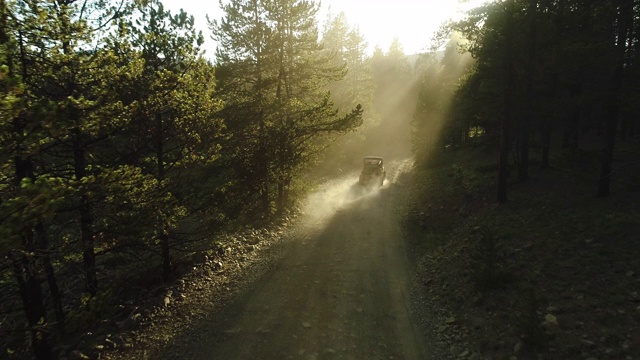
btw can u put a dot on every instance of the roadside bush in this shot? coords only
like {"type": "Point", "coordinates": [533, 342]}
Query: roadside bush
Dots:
{"type": "Point", "coordinates": [533, 336]}
{"type": "Point", "coordinates": [488, 259]}
{"type": "Point", "coordinates": [90, 312]}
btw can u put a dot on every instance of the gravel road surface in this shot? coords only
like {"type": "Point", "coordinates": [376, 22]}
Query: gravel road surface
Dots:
{"type": "Point", "coordinates": [340, 289]}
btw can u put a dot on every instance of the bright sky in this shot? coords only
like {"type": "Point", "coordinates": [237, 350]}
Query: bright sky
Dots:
{"type": "Point", "coordinates": [412, 21]}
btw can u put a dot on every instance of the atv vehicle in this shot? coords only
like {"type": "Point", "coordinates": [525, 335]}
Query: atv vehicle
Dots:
{"type": "Point", "coordinates": [373, 172]}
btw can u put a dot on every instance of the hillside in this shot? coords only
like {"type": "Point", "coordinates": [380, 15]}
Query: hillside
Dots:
{"type": "Point", "coordinates": [552, 274]}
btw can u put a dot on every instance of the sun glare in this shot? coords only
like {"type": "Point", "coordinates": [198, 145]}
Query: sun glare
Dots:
{"type": "Point", "coordinates": [413, 22]}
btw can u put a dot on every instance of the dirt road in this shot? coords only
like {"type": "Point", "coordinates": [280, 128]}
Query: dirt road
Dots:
{"type": "Point", "coordinates": [341, 291]}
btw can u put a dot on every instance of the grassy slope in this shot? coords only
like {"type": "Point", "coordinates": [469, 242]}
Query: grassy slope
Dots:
{"type": "Point", "coordinates": [553, 274]}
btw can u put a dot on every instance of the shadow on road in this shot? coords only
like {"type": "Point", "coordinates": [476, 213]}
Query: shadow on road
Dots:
{"type": "Point", "coordinates": [340, 292]}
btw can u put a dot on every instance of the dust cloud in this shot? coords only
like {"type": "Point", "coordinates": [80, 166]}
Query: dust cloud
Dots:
{"type": "Point", "coordinates": [411, 101]}
{"type": "Point", "coordinates": [335, 195]}
{"type": "Point", "coordinates": [441, 76]}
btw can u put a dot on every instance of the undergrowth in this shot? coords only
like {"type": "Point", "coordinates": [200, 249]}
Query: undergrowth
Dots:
{"type": "Point", "coordinates": [488, 260]}
{"type": "Point", "coordinates": [553, 251]}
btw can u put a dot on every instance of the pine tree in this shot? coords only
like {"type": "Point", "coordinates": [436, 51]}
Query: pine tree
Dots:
{"type": "Point", "coordinates": [274, 76]}
{"type": "Point", "coordinates": [304, 109]}
{"type": "Point", "coordinates": [176, 108]}
{"type": "Point", "coordinates": [346, 47]}
{"type": "Point", "coordinates": [245, 62]}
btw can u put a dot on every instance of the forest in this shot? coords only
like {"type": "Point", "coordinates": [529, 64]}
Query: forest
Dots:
{"type": "Point", "coordinates": [124, 150]}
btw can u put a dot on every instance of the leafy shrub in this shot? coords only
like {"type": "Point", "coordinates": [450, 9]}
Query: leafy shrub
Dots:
{"type": "Point", "coordinates": [90, 312]}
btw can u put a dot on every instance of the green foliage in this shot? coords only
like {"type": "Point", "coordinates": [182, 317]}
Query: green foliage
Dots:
{"type": "Point", "coordinates": [127, 193]}
{"type": "Point", "coordinates": [542, 70]}
{"type": "Point", "coordinates": [90, 312]}
{"type": "Point", "coordinates": [274, 76]}
{"type": "Point", "coordinates": [346, 48]}
{"type": "Point", "coordinates": [175, 118]}
{"type": "Point", "coordinates": [31, 202]}
{"type": "Point", "coordinates": [80, 85]}
{"type": "Point", "coordinates": [462, 177]}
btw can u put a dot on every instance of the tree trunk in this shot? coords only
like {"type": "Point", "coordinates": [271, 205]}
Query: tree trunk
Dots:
{"type": "Point", "coordinates": [264, 170]}
{"type": "Point", "coordinates": [52, 281]}
{"type": "Point", "coordinates": [88, 253]}
{"type": "Point", "coordinates": [26, 274]}
{"type": "Point", "coordinates": [86, 219]}
{"type": "Point", "coordinates": [503, 172]}
{"type": "Point", "coordinates": [547, 128]}
{"type": "Point", "coordinates": [287, 187]}
{"type": "Point", "coordinates": [25, 266]}
{"type": "Point", "coordinates": [633, 124]}
{"type": "Point", "coordinates": [163, 231]}
{"type": "Point", "coordinates": [266, 202]}
{"type": "Point", "coordinates": [280, 202]}
{"type": "Point", "coordinates": [571, 138]}
{"type": "Point", "coordinates": [627, 126]}
{"type": "Point", "coordinates": [612, 109]}
{"type": "Point", "coordinates": [523, 169]}
{"type": "Point", "coordinates": [24, 270]}
{"type": "Point", "coordinates": [166, 254]}
{"type": "Point", "coordinates": [546, 144]}
{"type": "Point", "coordinates": [284, 159]}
